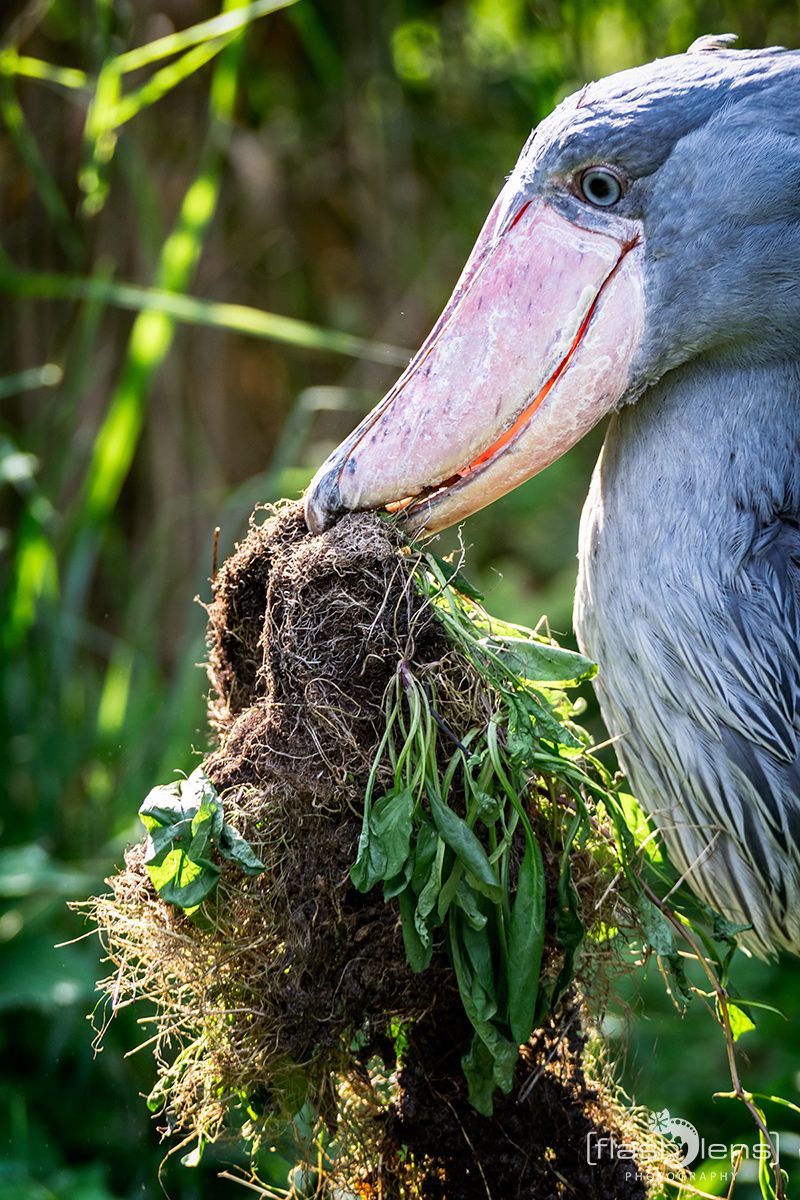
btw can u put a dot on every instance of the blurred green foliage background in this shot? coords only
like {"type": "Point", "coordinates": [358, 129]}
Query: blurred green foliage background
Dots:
{"type": "Point", "coordinates": [166, 205]}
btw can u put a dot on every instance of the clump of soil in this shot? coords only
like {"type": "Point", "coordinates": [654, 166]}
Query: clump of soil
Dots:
{"type": "Point", "coordinates": [291, 985]}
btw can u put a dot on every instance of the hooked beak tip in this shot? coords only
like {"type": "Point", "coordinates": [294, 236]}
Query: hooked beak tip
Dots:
{"type": "Point", "coordinates": [323, 502]}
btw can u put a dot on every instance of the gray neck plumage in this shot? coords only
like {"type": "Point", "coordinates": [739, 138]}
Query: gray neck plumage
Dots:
{"type": "Point", "coordinates": [689, 599]}
{"type": "Point", "coordinates": [690, 472]}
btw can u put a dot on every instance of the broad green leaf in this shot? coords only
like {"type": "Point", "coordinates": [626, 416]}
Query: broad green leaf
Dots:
{"type": "Point", "coordinates": [366, 870]}
{"type": "Point", "coordinates": [429, 854]}
{"type": "Point", "coordinates": [181, 881]}
{"type": "Point", "coordinates": [162, 806]}
{"type": "Point", "coordinates": [725, 930]}
{"type": "Point", "coordinates": [501, 1053]}
{"type": "Point", "coordinates": [525, 943]}
{"type": "Point", "coordinates": [542, 663]}
{"type": "Point", "coordinates": [425, 849]}
{"type": "Point", "coordinates": [480, 970]}
{"type": "Point", "coordinates": [467, 848]}
{"type": "Point", "coordinates": [390, 828]}
{"type": "Point", "coordinates": [184, 823]}
{"type": "Point", "coordinates": [384, 844]}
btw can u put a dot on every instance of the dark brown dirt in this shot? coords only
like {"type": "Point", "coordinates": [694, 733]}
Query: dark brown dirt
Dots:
{"type": "Point", "coordinates": [533, 1148]}
{"type": "Point", "coordinates": [293, 969]}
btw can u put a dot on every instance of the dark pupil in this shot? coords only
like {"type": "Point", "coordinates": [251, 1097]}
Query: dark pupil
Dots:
{"type": "Point", "coordinates": [599, 187]}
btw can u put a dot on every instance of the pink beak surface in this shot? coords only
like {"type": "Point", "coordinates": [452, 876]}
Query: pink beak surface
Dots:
{"type": "Point", "coordinates": [533, 348]}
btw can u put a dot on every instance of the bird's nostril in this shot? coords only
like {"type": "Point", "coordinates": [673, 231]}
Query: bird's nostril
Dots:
{"type": "Point", "coordinates": [323, 502]}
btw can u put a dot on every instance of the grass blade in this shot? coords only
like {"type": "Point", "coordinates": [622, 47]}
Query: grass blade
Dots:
{"type": "Point", "coordinates": [169, 77]}
{"type": "Point", "coordinates": [152, 333]}
{"type": "Point", "coordinates": [12, 63]}
{"type": "Point", "coordinates": [48, 375]}
{"type": "Point", "coordinates": [192, 310]}
{"type": "Point", "coordinates": [231, 21]}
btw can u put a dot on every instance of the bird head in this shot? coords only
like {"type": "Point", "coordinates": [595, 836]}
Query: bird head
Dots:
{"type": "Point", "coordinates": [652, 218]}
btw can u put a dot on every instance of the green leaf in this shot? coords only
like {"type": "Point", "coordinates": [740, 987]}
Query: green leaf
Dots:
{"type": "Point", "coordinates": [531, 719]}
{"type": "Point", "coordinates": [479, 976]}
{"type": "Point", "coordinates": [542, 663]}
{"type": "Point", "coordinates": [478, 1068]}
{"type": "Point", "coordinates": [173, 303]}
{"type": "Point", "coordinates": [425, 847]}
{"type": "Point", "coordinates": [237, 849]}
{"type": "Point", "coordinates": [162, 806]}
{"type": "Point", "coordinates": [679, 981]}
{"type": "Point", "coordinates": [740, 1022]}
{"type": "Point", "coordinates": [525, 943]}
{"type": "Point", "coordinates": [390, 826]}
{"type": "Point", "coordinates": [568, 925]}
{"type": "Point", "coordinates": [454, 578]}
{"type": "Point", "coordinates": [181, 881]}
{"type": "Point", "coordinates": [469, 903]}
{"type": "Point", "coordinates": [639, 825]}
{"type": "Point", "coordinates": [471, 955]}
{"type": "Point", "coordinates": [778, 1100]}
{"type": "Point", "coordinates": [383, 847]}
{"type": "Point", "coordinates": [656, 927]}
{"type": "Point", "coordinates": [467, 848]}
{"type": "Point", "coordinates": [418, 950]}
{"type": "Point", "coordinates": [184, 822]}
{"type": "Point", "coordinates": [194, 1157]}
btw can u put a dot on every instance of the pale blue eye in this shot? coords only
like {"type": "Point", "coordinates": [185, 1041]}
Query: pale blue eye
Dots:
{"type": "Point", "coordinates": [600, 187]}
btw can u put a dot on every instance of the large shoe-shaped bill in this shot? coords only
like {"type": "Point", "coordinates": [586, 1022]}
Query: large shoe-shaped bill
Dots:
{"type": "Point", "coordinates": [533, 348]}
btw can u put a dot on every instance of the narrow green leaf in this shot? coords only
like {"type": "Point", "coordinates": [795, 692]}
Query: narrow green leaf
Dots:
{"type": "Point", "coordinates": [164, 81]}
{"type": "Point", "coordinates": [418, 950]}
{"type": "Point", "coordinates": [778, 1100]}
{"type": "Point", "coordinates": [238, 850]}
{"type": "Point", "coordinates": [467, 848]}
{"type": "Point", "coordinates": [469, 902]}
{"type": "Point", "coordinates": [526, 942]}
{"type": "Point", "coordinates": [478, 1068]}
{"type": "Point", "coordinates": [454, 578]}
{"type": "Point", "coordinates": [12, 63]}
{"type": "Point", "coordinates": [568, 925]}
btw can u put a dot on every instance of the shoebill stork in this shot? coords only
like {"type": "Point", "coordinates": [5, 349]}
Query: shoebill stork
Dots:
{"type": "Point", "coordinates": [643, 260]}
